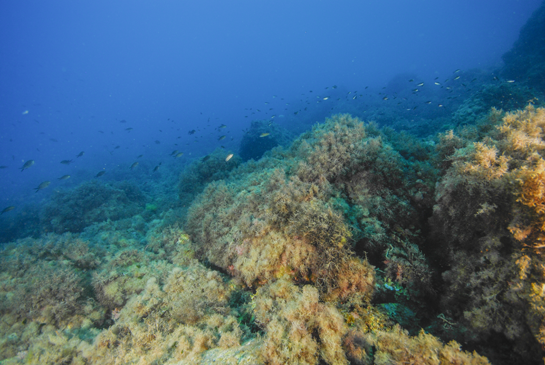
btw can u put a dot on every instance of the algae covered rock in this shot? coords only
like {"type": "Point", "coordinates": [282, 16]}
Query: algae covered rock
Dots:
{"type": "Point", "coordinates": [91, 202]}
{"type": "Point", "coordinates": [489, 219]}
{"type": "Point", "coordinates": [262, 136]}
{"type": "Point", "coordinates": [202, 171]}
{"type": "Point", "coordinates": [525, 62]}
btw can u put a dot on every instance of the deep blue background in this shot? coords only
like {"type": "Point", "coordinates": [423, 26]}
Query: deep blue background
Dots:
{"type": "Point", "coordinates": [167, 67]}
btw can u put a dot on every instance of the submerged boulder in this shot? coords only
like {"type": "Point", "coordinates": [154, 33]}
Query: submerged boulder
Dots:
{"type": "Point", "coordinates": [262, 136]}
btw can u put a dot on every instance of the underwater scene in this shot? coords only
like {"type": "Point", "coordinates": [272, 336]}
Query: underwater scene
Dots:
{"type": "Point", "coordinates": [255, 182]}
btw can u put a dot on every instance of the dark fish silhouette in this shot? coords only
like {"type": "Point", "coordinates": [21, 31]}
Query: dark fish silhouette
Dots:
{"type": "Point", "coordinates": [7, 209]}
{"type": "Point", "coordinates": [27, 165]}
{"type": "Point", "coordinates": [43, 185]}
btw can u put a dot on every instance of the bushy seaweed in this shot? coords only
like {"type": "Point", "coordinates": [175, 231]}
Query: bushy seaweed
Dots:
{"type": "Point", "coordinates": [489, 217]}
{"type": "Point", "coordinates": [91, 202]}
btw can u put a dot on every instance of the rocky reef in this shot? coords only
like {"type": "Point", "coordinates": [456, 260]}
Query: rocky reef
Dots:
{"type": "Point", "coordinates": [525, 62]}
{"type": "Point", "coordinates": [351, 244]}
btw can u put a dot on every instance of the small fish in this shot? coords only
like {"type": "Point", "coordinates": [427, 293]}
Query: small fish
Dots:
{"type": "Point", "coordinates": [139, 156]}
{"type": "Point", "coordinates": [65, 177]}
{"type": "Point", "coordinates": [206, 158]}
{"type": "Point", "coordinates": [100, 173]}
{"type": "Point", "coordinates": [156, 167]}
{"type": "Point", "coordinates": [457, 77]}
{"type": "Point", "coordinates": [80, 154]}
{"type": "Point", "coordinates": [25, 112]}
{"type": "Point", "coordinates": [134, 165]}
{"type": "Point", "coordinates": [229, 156]}
{"type": "Point", "coordinates": [428, 102]}
{"type": "Point", "coordinates": [117, 147]}
{"type": "Point", "coordinates": [27, 165]}
{"type": "Point", "coordinates": [179, 154]}
{"type": "Point", "coordinates": [264, 134]}
{"type": "Point", "coordinates": [510, 81]}
{"type": "Point", "coordinates": [122, 121]}
{"type": "Point", "coordinates": [222, 137]}
{"type": "Point", "coordinates": [66, 162]}
{"type": "Point", "coordinates": [327, 97]}
{"type": "Point", "coordinates": [411, 80]}
{"type": "Point", "coordinates": [415, 90]}
{"type": "Point", "coordinates": [421, 84]}
{"type": "Point", "coordinates": [157, 142]}
{"type": "Point", "coordinates": [129, 129]}
{"type": "Point", "coordinates": [43, 185]}
{"type": "Point", "coordinates": [7, 209]}
{"type": "Point", "coordinates": [437, 83]}
{"type": "Point", "coordinates": [3, 167]}
{"type": "Point", "coordinates": [385, 98]}
{"type": "Point", "coordinates": [458, 70]}
{"type": "Point", "coordinates": [222, 126]}
{"type": "Point", "coordinates": [440, 105]}
{"type": "Point", "coordinates": [191, 131]}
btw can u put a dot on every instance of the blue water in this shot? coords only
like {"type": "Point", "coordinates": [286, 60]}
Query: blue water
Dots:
{"type": "Point", "coordinates": [72, 71]}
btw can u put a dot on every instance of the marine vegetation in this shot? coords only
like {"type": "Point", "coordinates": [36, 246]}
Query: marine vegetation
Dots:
{"type": "Point", "coordinates": [488, 219]}
{"type": "Point", "coordinates": [200, 172]}
{"type": "Point", "coordinates": [300, 226]}
{"type": "Point", "coordinates": [262, 136]}
{"type": "Point", "coordinates": [90, 202]}
{"type": "Point", "coordinates": [313, 254]}
{"type": "Point", "coordinates": [352, 244]}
